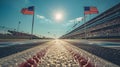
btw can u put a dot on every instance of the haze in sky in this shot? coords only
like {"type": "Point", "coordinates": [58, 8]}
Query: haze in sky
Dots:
{"type": "Point", "coordinates": [52, 17]}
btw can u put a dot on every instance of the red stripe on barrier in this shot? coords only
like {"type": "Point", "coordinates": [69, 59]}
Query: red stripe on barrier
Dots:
{"type": "Point", "coordinates": [35, 60]}
{"type": "Point", "coordinates": [80, 59]}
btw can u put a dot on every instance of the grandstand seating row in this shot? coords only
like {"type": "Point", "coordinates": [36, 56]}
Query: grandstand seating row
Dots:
{"type": "Point", "coordinates": [105, 25]}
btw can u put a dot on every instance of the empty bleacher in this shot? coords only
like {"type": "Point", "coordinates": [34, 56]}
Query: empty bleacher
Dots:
{"type": "Point", "coordinates": [105, 25]}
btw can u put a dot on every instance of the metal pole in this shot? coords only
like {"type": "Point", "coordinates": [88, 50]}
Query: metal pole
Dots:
{"type": "Point", "coordinates": [54, 36]}
{"type": "Point", "coordinates": [18, 26]}
{"type": "Point", "coordinates": [85, 26]}
{"type": "Point", "coordinates": [32, 23]}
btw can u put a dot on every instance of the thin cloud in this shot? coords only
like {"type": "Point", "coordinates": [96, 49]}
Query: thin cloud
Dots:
{"type": "Point", "coordinates": [40, 17]}
{"type": "Point", "coordinates": [68, 24]}
{"type": "Point", "coordinates": [48, 20]}
{"type": "Point", "coordinates": [76, 19]}
{"type": "Point", "coordinates": [27, 1]}
{"type": "Point", "coordinates": [73, 21]}
{"type": "Point", "coordinates": [79, 19]}
{"type": "Point", "coordinates": [43, 18]}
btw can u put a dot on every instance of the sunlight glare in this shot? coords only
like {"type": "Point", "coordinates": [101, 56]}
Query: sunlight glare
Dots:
{"type": "Point", "coordinates": [58, 16]}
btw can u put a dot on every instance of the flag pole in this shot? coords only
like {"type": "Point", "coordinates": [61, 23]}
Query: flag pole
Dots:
{"type": "Point", "coordinates": [32, 23]}
{"type": "Point", "coordinates": [18, 26]}
{"type": "Point", "coordinates": [85, 26]}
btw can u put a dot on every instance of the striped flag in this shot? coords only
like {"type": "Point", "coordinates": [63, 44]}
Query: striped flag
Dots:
{"type": "Point", "coordinates": [29, 10]}
{"type": "Point", "coordinates": [90, 10]}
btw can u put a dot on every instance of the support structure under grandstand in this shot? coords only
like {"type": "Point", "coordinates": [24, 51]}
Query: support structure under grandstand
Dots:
{"type": "Point", "coordinates": [105, 25]}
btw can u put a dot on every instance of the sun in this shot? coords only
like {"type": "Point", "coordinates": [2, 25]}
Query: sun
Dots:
{"type": "Point", "coordinates": [58, 16]}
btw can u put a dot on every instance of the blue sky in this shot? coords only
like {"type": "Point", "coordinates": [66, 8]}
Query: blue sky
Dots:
{"type": "Point", "coordinates": [72, 10]}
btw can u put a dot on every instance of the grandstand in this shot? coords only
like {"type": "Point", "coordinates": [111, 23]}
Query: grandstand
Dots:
{"type": "Point", "coordinates": [17, 35]}
{"type": "Point", "coordinates": [105, 25]}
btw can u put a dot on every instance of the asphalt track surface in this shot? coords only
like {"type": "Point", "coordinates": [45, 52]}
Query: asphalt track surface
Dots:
{"type": "Point", "coordinates": [109, 54]}
{"type": "Point", "coordinates": [58, 54]}
{"type": "Point", "coordinates": [9, 48]}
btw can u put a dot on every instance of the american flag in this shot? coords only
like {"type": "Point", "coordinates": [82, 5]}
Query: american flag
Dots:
{"type": "Point", "coordinates": [90, 10]}
{"type": "Point", "coordinates": [29, 10]}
